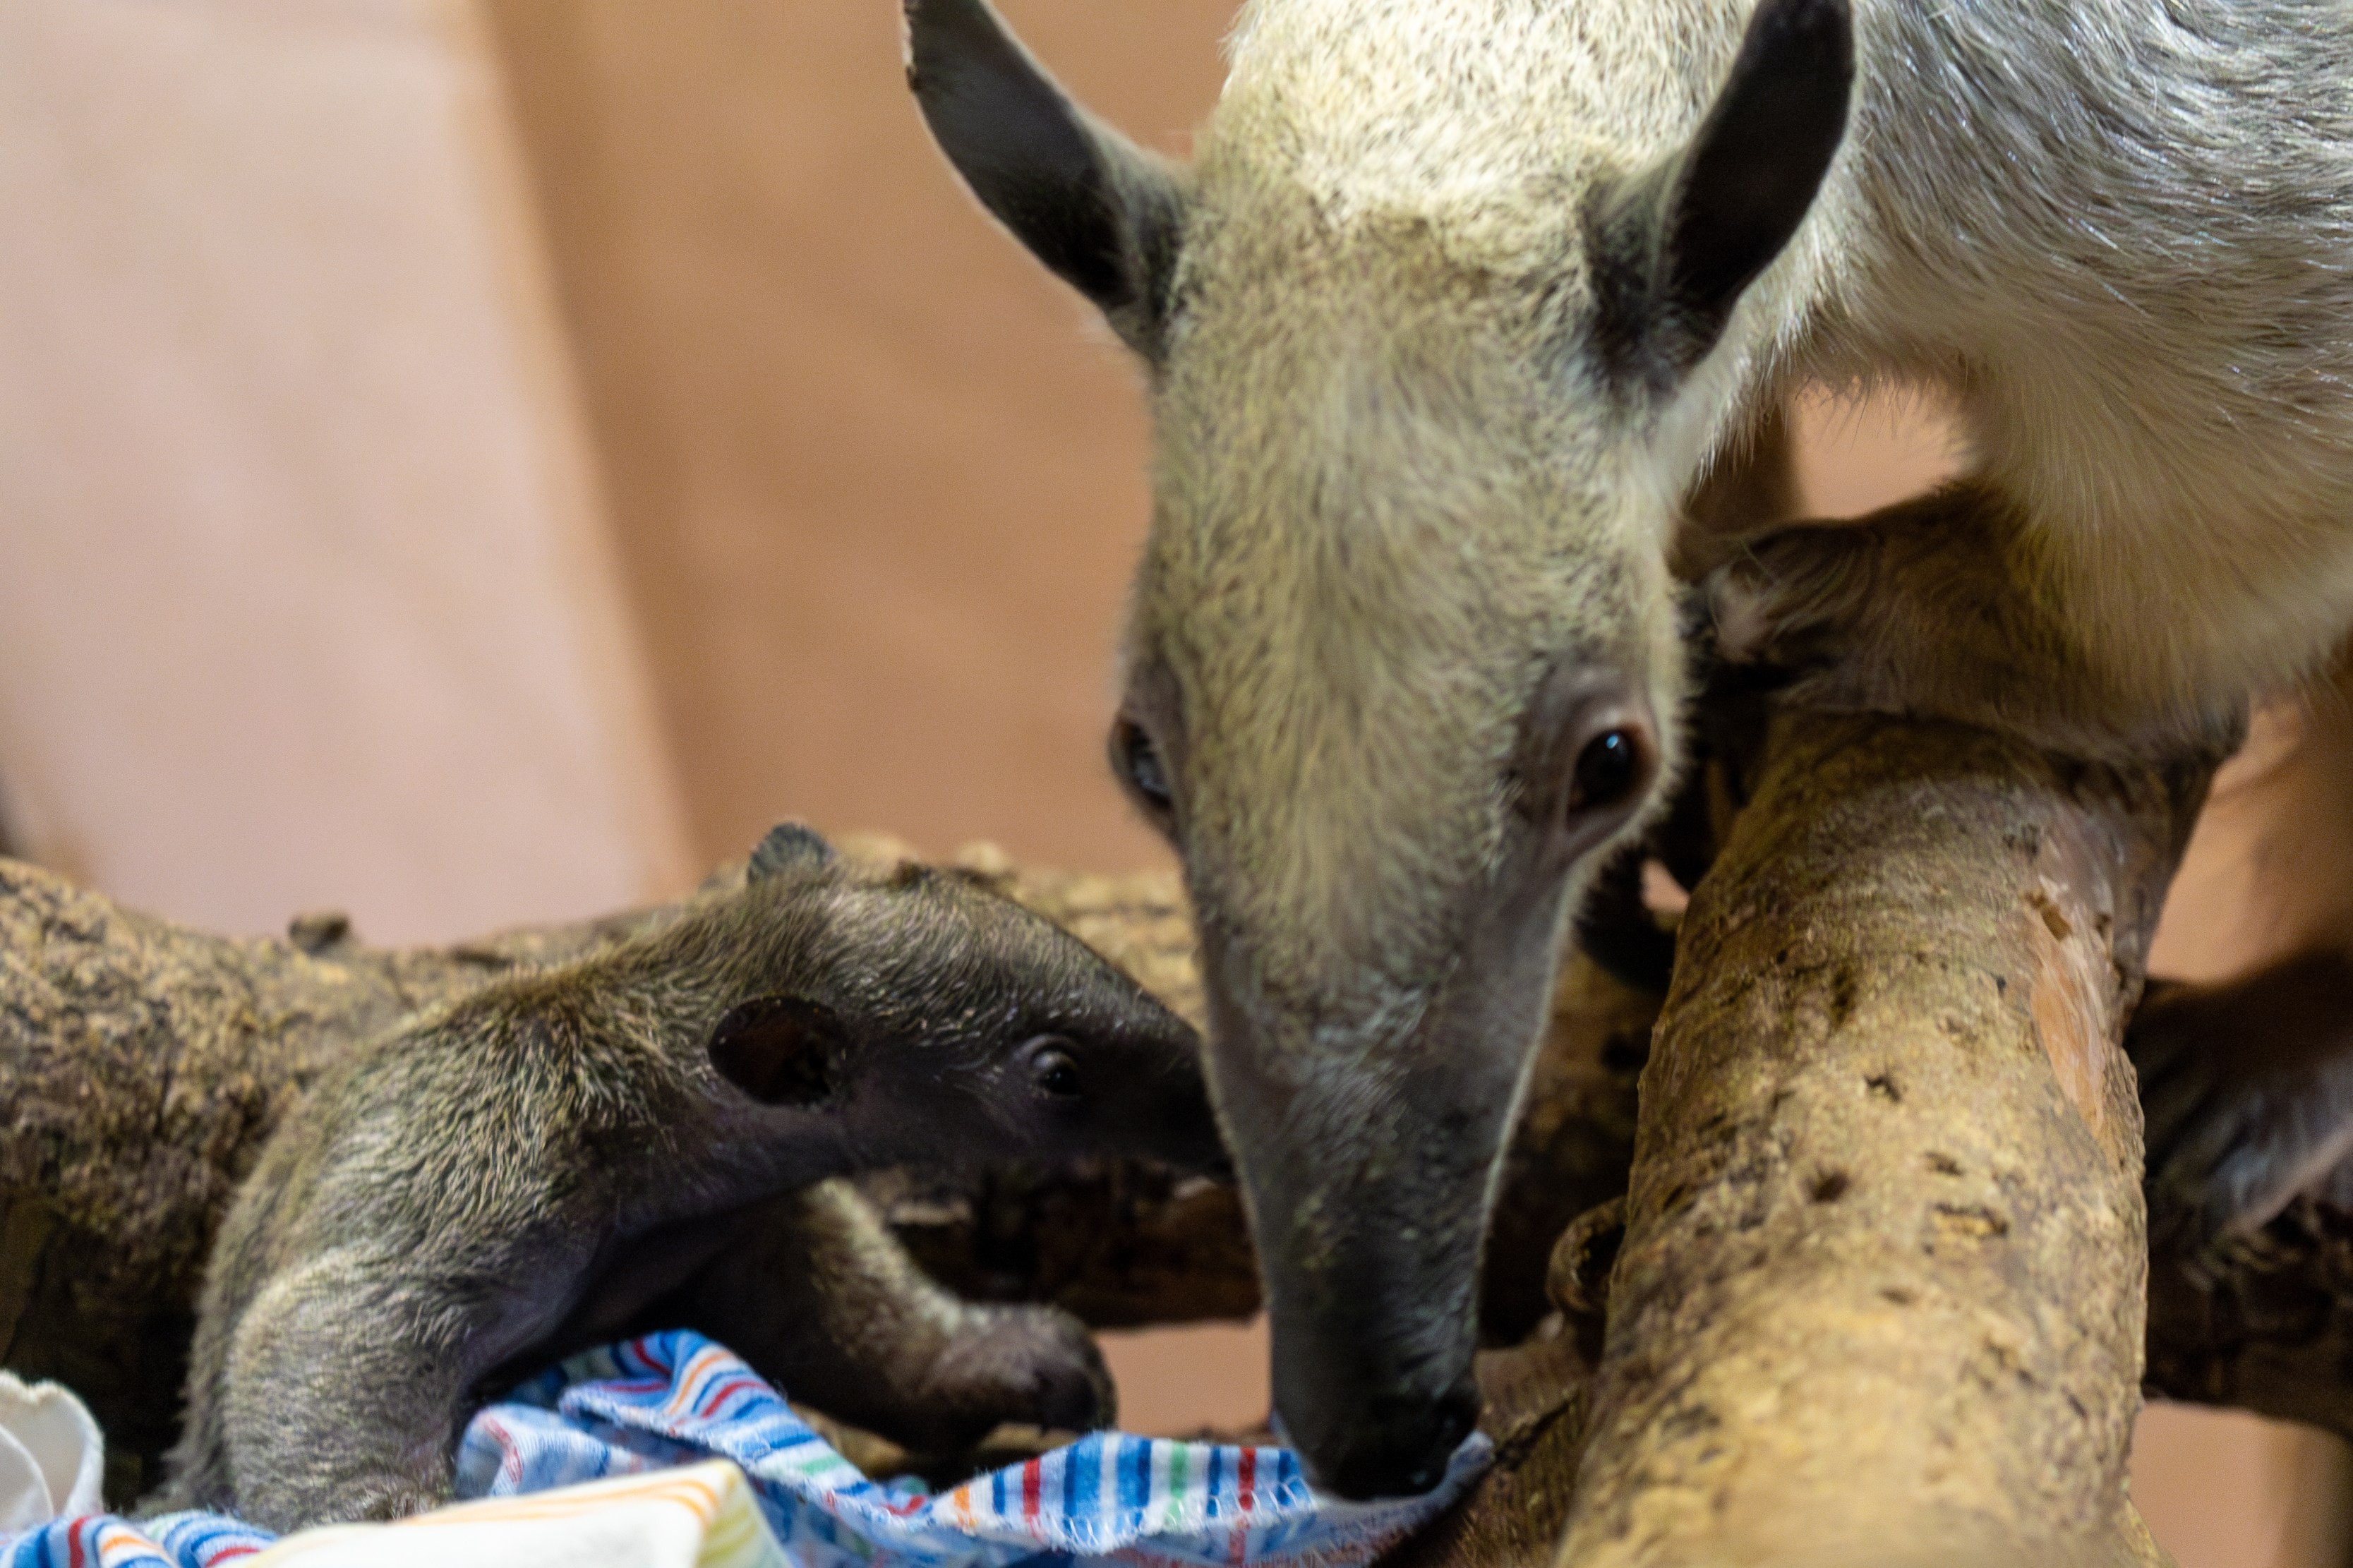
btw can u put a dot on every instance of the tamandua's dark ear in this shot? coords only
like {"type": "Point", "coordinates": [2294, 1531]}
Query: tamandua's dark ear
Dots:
{"type": "Point", "coordinates": [789, 846]}
{"type": "Point", "coordinates": [1675, 249]}
{"type": "Point", "coordinates": [781, 1050]}
{"type": "Point", "coordinates": [1100, 212]}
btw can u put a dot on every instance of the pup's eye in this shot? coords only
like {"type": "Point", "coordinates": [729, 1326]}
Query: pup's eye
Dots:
{"type": "Point", "coordinates": [1608, 770]}
{"type": "Point", "coordinates": [1138, 761]}
{"type": "Point", "coordinates": [1054, 1071]}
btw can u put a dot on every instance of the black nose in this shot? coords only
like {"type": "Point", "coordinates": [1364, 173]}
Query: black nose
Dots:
{"type": "Point", "coordinates": [1399, 1446]}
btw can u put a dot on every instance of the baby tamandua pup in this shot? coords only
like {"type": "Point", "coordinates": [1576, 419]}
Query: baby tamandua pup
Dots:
{"type": "Point", "coordinates": [648, 1133]}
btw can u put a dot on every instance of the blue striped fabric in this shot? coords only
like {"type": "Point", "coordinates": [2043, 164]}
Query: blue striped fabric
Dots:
{"type": "Point", "coordinates": [1107, 1499]}
{"type": "Point", "coordinates": [172, 1541]}
{"type": "Point", "coordinates": [677, 1398]}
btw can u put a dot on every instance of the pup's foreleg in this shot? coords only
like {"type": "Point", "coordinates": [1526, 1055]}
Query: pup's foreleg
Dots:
{"type": "Point", "coordinates": [823, 1300]}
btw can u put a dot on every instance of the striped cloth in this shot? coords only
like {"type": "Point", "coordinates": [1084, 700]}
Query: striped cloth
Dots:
{"type": "Point", "coordinates": [699, 1515]}
{"type": "Point", "coordinates": [101, 1541]}
{"type": "Point", "coordinates": [675, 1399]}
{"type": "Point", "coordinates": [1105, 1498]}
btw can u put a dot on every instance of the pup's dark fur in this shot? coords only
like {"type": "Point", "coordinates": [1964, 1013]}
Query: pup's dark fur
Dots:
{"type": "Point", "coordinates": [645, 1138]}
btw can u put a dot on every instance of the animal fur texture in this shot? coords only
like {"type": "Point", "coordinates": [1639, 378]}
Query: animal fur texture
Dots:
{"type": "Point", "coordinates": [1457, 301]}
{"type": "Point", "coordinates": [645, 1138]}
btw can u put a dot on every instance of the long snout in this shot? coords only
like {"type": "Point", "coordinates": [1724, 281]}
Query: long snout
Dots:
{"type": "Point", "coordinates": [1374, 1331]}
{"type": "Point", "coordinates": [1369, 1152]}
{"type": "Point", "coordinates": [1369, 1182]}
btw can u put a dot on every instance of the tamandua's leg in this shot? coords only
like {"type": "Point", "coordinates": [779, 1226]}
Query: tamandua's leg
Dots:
{"type": "Point", "coordinates": [821, 1300]}
{"type": "Point", "coordinates": [2247, 1086]}
{"type": "Point", "coordinates": [1937, 606]}
{"type": "Point", "coordinates": [346, 1383]}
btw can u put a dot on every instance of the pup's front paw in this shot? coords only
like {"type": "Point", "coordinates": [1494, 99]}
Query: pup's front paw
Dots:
{"type": "Point", "coordinates": [1031, 1365]}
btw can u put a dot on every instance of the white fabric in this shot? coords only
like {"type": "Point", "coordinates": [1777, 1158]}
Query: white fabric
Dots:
{"type": "Point", "coordinates": [699, 1515]}
{"type": "Point", "coordinates": [52, 1458]}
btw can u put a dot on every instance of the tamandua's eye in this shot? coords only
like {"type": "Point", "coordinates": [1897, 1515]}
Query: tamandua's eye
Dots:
{"type": "Point", "coordinates": [1053, 1069]}
{"type": "Point", "coordinates": [1137, 761]}
{"type": "Point", "coordinates": [1608, 771]}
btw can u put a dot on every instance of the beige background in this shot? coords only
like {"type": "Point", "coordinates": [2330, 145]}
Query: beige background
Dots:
{"type": "Point", "coordinates": [879, 477]}
{"type": "Point", "coordinates": [476, 461]}
{"type": "Point", "coordinates": [304, 594]}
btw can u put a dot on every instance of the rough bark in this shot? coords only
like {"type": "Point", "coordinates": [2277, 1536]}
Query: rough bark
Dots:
{"type": "Point", "coordinates": [1881, 1291]}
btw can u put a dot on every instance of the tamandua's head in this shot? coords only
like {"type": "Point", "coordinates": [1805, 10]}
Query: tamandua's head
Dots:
{"type": "Point", "coordinates": [941, 1023]}
{"type": "Point", "coordinates": [1402, 664]}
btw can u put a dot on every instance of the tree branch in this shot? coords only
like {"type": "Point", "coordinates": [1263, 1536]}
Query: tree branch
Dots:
{"type": "Point", "coordinates": [1881, 1291]}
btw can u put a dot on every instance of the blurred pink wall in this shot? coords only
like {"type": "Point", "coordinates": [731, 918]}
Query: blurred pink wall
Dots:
{"type": "Point", "coordinates": [878, 478]}
{"type": "Point", "coordinates": [305, 596]}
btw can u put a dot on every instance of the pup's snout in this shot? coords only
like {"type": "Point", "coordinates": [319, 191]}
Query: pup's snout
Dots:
{"type": "Point", "coordinates": [1398, 1446]}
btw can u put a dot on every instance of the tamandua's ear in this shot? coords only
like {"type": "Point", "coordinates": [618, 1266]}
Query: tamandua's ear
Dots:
{"type": "Point", "coordinates": [1101, 213]}
{"type": "Point", "coordinates": [1675, 249]}
{"type": "Point", "coordinates": [781, 1050]}
{"type": "Point", "coordinates": [789, 846]}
